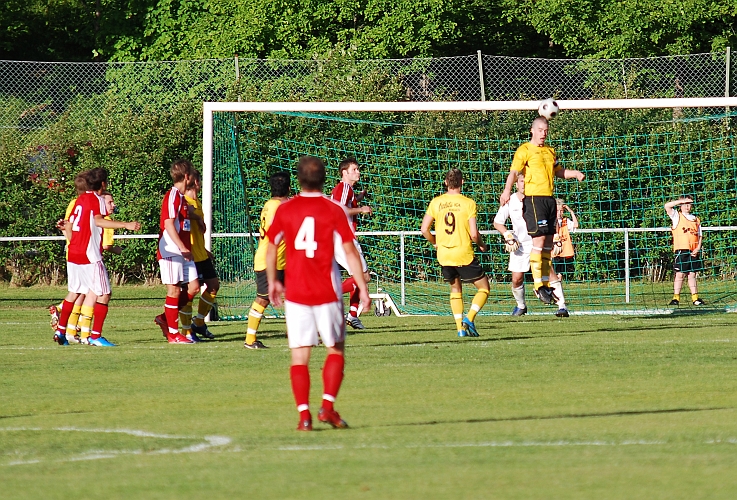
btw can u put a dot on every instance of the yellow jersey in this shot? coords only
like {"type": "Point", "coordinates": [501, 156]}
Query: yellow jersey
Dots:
{"type": "Point", "coordinates": [108, 234]}
{"type": "Point", "coordinates": [452, 230]}
{"type": "Point", "coordinates": [267, 215]}
{"type": "Point", "coordinates": [539, 165]}
{"type": "Point", "coordinates": [197, 237]}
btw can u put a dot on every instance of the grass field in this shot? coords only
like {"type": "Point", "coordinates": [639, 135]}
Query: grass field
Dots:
{"type": "Point", "coordinates": [537, 407]}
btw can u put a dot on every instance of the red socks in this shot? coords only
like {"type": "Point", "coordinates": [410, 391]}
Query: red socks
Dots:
{"type": "Point", "coordinates": [98, 320]}
{"type": "Point", "coordinates": [349, 285]}
{"type": "Point", "coordinates": [332, 378]}
{"type": "Point", "coordinates": [171, 311]}
{"type": "Point", "coordinates": [66, 311]}
{"type": "Point", "coordinates": [300, 376]}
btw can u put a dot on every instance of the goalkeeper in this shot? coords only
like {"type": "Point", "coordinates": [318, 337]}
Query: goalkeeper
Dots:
{"type": "Point", "coordinates": [539, 165]}
{"type": "Point", "coordinates": [455, 227]}
{"type": "Point", "coordinates": [519, 244]}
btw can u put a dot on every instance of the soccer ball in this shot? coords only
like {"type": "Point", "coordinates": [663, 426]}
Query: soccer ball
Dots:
{"type": "Point", "coordinates": [548, 109]}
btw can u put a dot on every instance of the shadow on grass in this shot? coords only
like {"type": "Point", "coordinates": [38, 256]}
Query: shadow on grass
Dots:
{"type": "Point", "coordinates": [558, 417]}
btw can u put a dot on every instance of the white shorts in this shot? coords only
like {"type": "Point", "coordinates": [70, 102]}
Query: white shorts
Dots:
{"type": "Point", "coordinates": [85, 278]}
{"type": "Point", "coordinates": [341, 259]}
{"type": "Point", "coordinates": [304, 323]}
{"type": "Point", "coordinates": [519, 261]}
{"type": "Point", "coordinates": [175, 270]}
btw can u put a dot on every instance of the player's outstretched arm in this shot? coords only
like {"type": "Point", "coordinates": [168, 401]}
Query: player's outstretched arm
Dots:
{"type": "Point", "coordinates": [507, 193]}
{"type": "Point", "coordinates": [276, 287]}
{"type": "Point", "coordinates": [104, 223]}
{"type": "Point", "coordinates": [566, 173]}
{"type": "Point", "coordinates": [354, 263]}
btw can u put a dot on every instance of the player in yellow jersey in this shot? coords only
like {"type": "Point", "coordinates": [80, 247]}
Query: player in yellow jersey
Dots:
{"type": "Point", "coordinates": [194, 327]}
{"type": "Point", "coordinates": [279, 183]}
{"type": "Point", "coordinates": [454, 216]}
{"type": "Point", "coordinates": [687, 239]}
{"type": "Point", "coordinates": [540, 165]}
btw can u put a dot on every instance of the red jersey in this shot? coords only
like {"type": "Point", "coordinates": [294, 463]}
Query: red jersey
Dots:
{"type": "Point", "coordinates": [343, 194]}
{"type": "Point", "coordinates": [174, 207]}
{"type": "Point", "coordinates": [310, 225]}
{"type": "Point", "coordinates": [85, 247]}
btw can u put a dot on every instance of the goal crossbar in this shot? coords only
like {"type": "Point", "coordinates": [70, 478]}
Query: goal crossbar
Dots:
{"type": "Point", "coordinates": [209, 108]}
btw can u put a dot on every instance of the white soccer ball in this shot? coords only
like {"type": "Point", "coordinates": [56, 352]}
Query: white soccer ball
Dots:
{"type": "Point", "coordinates": [548, 109]}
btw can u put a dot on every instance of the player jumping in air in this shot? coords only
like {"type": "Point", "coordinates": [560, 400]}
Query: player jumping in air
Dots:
{"type": "Point", "coordinates": [539, 165]}
{"type": "Point", "coordinates": [279, 183]}
{"type": "Point", "coordinates": [455, 227]}
{"type": "Point", "coordinates": [85, 270]}
{"type": "Point", "coordinates": [350, 174]}
{"type": "Point", "coordinates": [174, 253]}
{"type": "Point", "coordinates": [519, 244]}
{"type": "Point", "coordinates": [312, 226]}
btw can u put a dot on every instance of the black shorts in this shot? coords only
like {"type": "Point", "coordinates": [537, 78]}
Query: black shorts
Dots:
{"type": "Point", "coordinates": [468, 274]}
{"type": "Point", "coordinates": [262, 282]}
{"type": "Point", "coordinates": [206, 270]}
{"type": "Point", "coordinates": [684, 262]}
{"type": "Point", "coordinates": [565, 266]}
{"type": "Point", "coordinates": [540, 213]}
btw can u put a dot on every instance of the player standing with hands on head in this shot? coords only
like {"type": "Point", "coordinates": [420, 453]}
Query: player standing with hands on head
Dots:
{"type": "Point", "coordinates": [455, 227]}
{"type": "Point", "coordinates": [310, 225]}
{"type": "Point", "coordinates": [687, 238]}
{"type": "Point", "coordinates": [350, 174]}
{"type": "Point", "coordinates": [540, 165]}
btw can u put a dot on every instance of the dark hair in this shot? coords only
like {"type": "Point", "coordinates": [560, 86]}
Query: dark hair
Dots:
{"type": "Point", "coordinates": [346, 164]}
{"type": "Point", "coordinates": [311, 173]}
{"type": "Point", "coordinates": [454, 178]}
{"type": "Point", "coordinates": [95, 178]}
{"type": "Point", "coordinates": [180, 169]}
{"type": "Point", "coordinates": [80, 182]}
{"type": "Point", "coordinates": [279, 183]}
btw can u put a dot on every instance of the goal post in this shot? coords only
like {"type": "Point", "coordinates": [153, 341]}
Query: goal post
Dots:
{"type": "Point", "coordinates": [659, 148]}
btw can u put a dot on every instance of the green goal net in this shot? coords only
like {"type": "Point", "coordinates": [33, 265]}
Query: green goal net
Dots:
{"type": "Point", "coordinates": [635, 161]}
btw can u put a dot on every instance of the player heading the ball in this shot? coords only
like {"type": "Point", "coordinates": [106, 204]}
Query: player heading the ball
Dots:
{"type": "Point", "coordinates": [539, 164]}
{"type": "Point", "coordinates": [311, 225]}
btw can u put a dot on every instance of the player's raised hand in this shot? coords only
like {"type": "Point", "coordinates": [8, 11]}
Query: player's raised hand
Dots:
{"type": "Point", "coordinates": [276, 290]}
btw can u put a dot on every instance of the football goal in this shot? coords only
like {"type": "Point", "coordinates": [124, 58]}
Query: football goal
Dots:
{"type": "Point", "coordinates": [636, 154]}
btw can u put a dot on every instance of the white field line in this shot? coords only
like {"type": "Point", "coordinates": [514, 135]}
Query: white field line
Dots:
{"type": "Point", "coordinates": [209, 442]}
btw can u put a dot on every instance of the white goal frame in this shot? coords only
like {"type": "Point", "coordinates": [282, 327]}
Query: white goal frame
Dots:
{"type": "Point", "coordinates": [209, 107]}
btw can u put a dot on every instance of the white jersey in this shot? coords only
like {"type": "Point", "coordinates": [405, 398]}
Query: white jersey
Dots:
{"type": "Point", "coordinates": [513, 211]}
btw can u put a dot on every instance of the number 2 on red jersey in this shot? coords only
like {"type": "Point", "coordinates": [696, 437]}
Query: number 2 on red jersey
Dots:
{"type": "Point", "coordinates": [305, 239]}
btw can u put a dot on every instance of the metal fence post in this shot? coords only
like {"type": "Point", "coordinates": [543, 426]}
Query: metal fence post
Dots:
{"type": "Point", "coordinates": [626, 266]}
{"type": "Point", "coordinates": [238, 77]}
{"type": "Point", "coordinates": [727, 57]}
{"type": "Point", "coordinates": [481, 76]}
{"type": "Point", "coordinates": [401, 264]}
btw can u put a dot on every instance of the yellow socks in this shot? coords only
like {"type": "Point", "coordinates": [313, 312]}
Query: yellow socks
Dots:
{"type": "Point", "coordinates": [72, 321]}
{"type": "Point", "coordinates": [545, 266]}
{"type": "Point", "coordinates": [185, 319]}
{"type": "Point", "coordinates": [207, 300]}
{"type": "Point", "coordinates": [456, 305]}
{"type": "Point", "coordinates": [85, 320]}
{"type": "Point", "coordinates": [478, 302]}
{"type": "Point", "coordinates": [694, 297]}
{"type": "Point", "coordinates": [254, 320]}
{"type": "Point", "coordinates": [677, 296]}
{"type": "Point", "coordinates": [536, 266]}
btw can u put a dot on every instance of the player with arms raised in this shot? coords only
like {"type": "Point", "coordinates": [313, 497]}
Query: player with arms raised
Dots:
{"type": "Point", "coordinates": [311, 225]}
{"type": "Point", "coordinates": [539, 164]}
{"type": "Point", "coordinates": [455, 227]}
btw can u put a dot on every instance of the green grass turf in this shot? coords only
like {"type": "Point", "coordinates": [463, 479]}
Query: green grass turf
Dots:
{"type": "Point", "coordinates": [537, 407]}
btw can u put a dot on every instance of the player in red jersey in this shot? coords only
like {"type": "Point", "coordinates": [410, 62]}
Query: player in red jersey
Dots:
{"type": "Point", "coordinates": [350, 174]}
{"type": "Point", "coordinates": [85, 269]}
{"type": "Point", "coordinates": [310, 225]}
{"type": "Point", "coordinates": [178, 270]}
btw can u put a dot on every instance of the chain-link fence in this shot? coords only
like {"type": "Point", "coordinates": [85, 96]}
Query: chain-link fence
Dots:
{"type": "Point", "coordinates": [32, 94]}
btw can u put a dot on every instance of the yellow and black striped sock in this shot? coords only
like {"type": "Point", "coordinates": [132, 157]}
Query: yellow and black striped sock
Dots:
{"type": "Point", "coordinates": [254, 320]}
{"type": "Point", "coordinates": [479, 300]}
